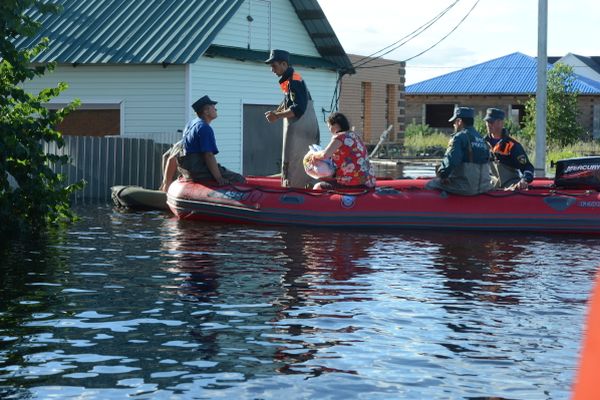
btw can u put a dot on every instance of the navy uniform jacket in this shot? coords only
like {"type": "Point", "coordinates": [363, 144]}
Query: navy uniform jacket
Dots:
{"type": "Point", "coordinates": [509, 152]}
{"type": "Point", "coordinates": [466, 145]}
{"type": "Point", "coordinates": [295, 92]}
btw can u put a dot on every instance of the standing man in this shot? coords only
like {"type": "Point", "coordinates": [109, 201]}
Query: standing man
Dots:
{"type": "Point", "coordinates": [196, 161]}
{"type": "Point", "coordinates": [510, 166]}
{"type": "Point", "coordinates": [465, 167]}
{"type": "Point", "coordinates": [300, 125]}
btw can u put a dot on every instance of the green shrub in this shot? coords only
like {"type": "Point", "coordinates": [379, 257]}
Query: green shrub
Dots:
{"type": "Point", "coordinates": [562, 110]}
{"type": "Point", "coordinates": [419, 129]}
{"type": "Point", "coordinates": [423, 140]}
{"type": "Point", "coordinates": [41, 197]}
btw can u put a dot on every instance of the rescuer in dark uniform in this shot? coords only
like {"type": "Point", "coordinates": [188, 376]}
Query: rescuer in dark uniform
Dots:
{"type": "Point", "coordinates": [510, 166]}
{"type": "Point", "coordinates": [300, 125]}
{"type": "Point", "coordinates": [465, 167]}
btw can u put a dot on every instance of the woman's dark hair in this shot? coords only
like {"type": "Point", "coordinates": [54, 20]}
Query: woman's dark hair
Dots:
{"type": "Point", "coordinates": [340, 119]}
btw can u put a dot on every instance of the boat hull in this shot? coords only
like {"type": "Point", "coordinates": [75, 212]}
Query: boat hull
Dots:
{"type": "Point", "coordinates": [394, 204]}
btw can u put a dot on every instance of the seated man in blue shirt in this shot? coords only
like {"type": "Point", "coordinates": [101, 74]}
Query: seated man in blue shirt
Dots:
{"type": "Point", "coordinates": [197, 159]}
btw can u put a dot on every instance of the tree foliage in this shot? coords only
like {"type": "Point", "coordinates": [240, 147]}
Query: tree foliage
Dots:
{"type": "Point", "coordinates": [562, 126]}
{"type": "Point", "coordinates": [40, 197]}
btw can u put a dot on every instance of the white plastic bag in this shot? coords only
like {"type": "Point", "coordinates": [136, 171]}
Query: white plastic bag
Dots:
{"type": "Point", "coordinates": [320, 168]}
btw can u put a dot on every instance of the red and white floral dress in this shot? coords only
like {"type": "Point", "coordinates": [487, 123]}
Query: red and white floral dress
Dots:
{"type": "Point", "coordinates": [351, 161]}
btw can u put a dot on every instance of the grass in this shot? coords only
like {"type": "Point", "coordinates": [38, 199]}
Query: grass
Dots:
{"type": "Point", "coordinates": [420, 144]}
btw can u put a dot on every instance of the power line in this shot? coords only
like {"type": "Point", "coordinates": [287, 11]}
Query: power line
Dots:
{"type": "Point", "coordinates": [335, 99]}
{"type": "Point", "coordinates": [430, 47]}
{"type": "Point", "coordinates": [397, 44]}
{"type": "Point", "coordinates": [418, 31]}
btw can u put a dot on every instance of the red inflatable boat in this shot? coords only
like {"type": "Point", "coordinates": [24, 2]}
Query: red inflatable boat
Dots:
{"type": "Point", "coordinates": [393, 204]}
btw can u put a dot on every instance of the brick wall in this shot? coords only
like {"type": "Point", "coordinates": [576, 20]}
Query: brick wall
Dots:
{"type": "Point", "coordinates": [374, 112]}
{"type": "Point", "coordinates": [415, 106]}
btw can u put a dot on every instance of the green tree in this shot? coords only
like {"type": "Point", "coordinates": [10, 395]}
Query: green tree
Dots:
{"type": "Point", "coordinates": [40, 197]}
{"type": "Point", "coordinates": [562, 127]}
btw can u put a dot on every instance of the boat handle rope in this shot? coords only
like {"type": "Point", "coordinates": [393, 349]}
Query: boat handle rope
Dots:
{"type": "Point", "coordinates": [551, 192]}
{"type": "Point", "coordinates": [302, 191]}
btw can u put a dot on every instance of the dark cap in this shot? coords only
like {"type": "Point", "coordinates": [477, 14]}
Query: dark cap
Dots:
{"type": "Point", "coordinates": [278, 55]}
{"type": "Point", "coordinates": [201, 102]}
{"type": "Point", "coordinates": [493, 114]}
{"type": "Point", "coordinates": [462, 112]}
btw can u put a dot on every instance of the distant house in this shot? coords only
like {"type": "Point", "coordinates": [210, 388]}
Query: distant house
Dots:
{"type": "Point", "coordinates": [373, 97]}
{"type": "Point", "coordinates": [506, 82]}
{"type": "Point", "coordinates": [588, 67]}
{"type": "Point", "coordinates": [138, 65]}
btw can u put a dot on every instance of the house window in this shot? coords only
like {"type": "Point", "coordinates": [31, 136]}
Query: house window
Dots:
{"type": "Point", "coordinates": [365, 100]}
{"type": "Point", "coordinates": [90, 120]}
{"type": "Point", "coordinates": [390, 105]}
{"type": "Point", "coordinates": [517, 114]}
{"type": "Point", "coordinates": [437, 115]}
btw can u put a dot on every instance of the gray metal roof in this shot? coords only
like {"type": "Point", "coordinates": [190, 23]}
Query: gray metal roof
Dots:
{"type": "Point", "coordinates": [322, 34]}
{"type": "Point", "coordinates": [156, 31]}
{"type": "Point", "coordinates": [132, 31]}
{"type": "Point", "coordinates": [514, 74]}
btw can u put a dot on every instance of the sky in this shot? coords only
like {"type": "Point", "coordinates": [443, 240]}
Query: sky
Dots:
{"type": "Point", "coordinates": [494, 28]}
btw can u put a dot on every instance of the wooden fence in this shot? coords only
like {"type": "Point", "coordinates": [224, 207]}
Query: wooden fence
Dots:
{"type": "Point", "coordinates": [111, 160]}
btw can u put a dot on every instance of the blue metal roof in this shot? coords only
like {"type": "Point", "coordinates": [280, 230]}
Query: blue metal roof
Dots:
{"type": "Point", "coordinates": [514, 74]}
{"type": "Point", "coordinates": [156, 31]}
{"type": "Point", "coordinates": [587, 85]}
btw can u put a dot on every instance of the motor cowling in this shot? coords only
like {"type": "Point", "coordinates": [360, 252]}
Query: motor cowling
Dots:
{"type": "Point", "coordinates": [578, 173]}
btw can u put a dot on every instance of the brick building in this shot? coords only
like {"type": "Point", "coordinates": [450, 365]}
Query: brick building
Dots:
{"type": "Point", "coordinates": [373, 97]}
{"type": "Point", "coordinates": [506, 82]}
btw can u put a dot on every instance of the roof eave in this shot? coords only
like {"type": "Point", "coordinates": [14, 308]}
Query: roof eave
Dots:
{"type": "Point", "coordinates": [241, 54]}
{"type": "Point", "coordinates": [322, 34]}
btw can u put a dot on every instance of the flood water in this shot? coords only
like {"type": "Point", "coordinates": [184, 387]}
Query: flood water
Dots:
{"type": "Point", "coordinates": [142, 305]}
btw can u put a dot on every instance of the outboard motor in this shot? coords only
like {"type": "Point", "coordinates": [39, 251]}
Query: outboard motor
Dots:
{"type": "Point", "coordinates": [578, 173]}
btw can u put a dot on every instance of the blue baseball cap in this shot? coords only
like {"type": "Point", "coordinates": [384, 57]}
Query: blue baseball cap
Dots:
{"type": "Point", "coordinates": [278, 55]}
{"type": "Point", "coordinates": [493, 114]}
{"type": "Point", "coordinates": [462, 112]}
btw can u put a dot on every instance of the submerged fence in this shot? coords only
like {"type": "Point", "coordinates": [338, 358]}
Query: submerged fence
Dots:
{"type": "Point", "coordinates": [111, 160]}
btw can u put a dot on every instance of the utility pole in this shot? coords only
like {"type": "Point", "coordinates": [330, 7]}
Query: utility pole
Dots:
{"type": "Point", "coordinates": [541, 96]}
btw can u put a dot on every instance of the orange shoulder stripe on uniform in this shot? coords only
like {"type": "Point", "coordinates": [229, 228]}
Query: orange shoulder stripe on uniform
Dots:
{"type": "Point", "coordinates": [285, 85]}
{"type": "Point", "coordinates": [504, 150]}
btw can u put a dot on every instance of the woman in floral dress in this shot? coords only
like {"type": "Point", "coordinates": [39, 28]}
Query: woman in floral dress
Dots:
{"type": "Point", "coordinates": [349, 155]}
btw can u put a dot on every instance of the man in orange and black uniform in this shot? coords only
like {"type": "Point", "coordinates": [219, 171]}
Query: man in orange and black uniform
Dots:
{"type": "Point", "coordinates": [511, 168]}
{"type": "Point", "coordinates": [300, 127]}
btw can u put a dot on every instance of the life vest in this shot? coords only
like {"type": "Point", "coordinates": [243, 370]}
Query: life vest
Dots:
{"type": "Point", "coordinates": [285, 85]}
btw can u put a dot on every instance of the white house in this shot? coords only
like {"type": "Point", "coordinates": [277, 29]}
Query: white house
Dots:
{"type": "Point", "coordinates": [138, 65]}
{"type": "Point", "coordinates": [585, 66]}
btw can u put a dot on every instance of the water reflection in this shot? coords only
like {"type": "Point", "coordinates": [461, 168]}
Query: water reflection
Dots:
{"type": "Point", "coordinates": [257, 302]}
{"type": "Point", "coordinates": [320, 272]}
{"type": "Point", "coordinates": [127, 304]}
{"type": "Point", "coordinates": [479, 268]}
